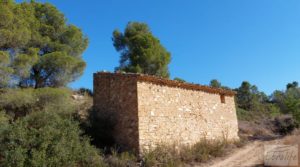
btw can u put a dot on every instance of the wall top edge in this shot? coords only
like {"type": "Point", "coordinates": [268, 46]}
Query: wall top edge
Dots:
{"type": "Point", "coordinates": [167, 82]}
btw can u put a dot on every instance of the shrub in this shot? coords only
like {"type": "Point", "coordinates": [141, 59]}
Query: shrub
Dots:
{"type": "Point", "coordinates": [164, 156]}
{"type": "Point", "coordinates": [203, 151]}
{"type": "Point", "coordinates": [179, 79]}
{"type": "Point", "coordinates": [285, 124]}
{"type": "Point", "coordinates": [54, 99]}
{"type": "Point", "coordinates": [274, 110]}
{"type": "Point", "coordinates": [265, 111]}
{"type": "Point", "coordinates": [17, 102]}
{"type": "Point", "coordinates": [46, 139]}
{"type": "Point", "coordinates": [121, 159]}
{"type": "Point", "coordinates": [245, 115]}
{"type": "Point", "coordinates": [20, 102]}
{"type": "Point", "coordinates": [100, 126]}
{"type": "Point", "coordinates": [3, 122]}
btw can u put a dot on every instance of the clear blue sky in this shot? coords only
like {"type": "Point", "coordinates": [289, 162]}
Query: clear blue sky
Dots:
{"type": "Point", "coordinates": [230, 40]}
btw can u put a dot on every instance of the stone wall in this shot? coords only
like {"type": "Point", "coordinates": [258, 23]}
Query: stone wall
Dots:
{"type": "Point", "coordinates": [173, 115]}
{"type": "Point", "coordinates": [117, 96]}
{"type": "Point", "coordinates": [151, 111]}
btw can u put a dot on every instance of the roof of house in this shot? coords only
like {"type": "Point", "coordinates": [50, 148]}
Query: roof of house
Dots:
{"type": "Point", "coordinates": [171, 83]}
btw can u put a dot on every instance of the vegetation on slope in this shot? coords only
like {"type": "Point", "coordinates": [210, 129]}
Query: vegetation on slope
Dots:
{"type": "Point", "coordinates": [42, 126]}
{"type": "Point", "coordinates": [38, 129]}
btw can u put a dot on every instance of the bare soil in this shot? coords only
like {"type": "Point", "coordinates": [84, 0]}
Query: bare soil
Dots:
{"type": "Point", "coordinates": [251, 155]}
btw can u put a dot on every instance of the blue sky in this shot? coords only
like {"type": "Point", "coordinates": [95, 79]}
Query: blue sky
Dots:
{"type": "Point", "coordinates": [228, 40]}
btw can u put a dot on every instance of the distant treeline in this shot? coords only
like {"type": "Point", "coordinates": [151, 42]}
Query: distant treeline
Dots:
{"type": "Point", "coordinates": [250, 99]}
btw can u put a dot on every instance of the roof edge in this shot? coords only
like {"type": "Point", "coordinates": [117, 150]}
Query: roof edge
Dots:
{"type": "Point", "coordinates": [171, 83]}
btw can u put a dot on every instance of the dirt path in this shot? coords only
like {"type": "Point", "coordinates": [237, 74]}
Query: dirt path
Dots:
{"type": "Point", "coordinates": [247, 156]}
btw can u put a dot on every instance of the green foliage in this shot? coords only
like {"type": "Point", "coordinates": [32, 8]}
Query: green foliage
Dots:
{"type": "Point", "coordinates": [250, 98]}
{"type": "Point", "coordinates": [44, 50]}
{"type": "Point", "coordinates": [245, 115]}
{"type": "Point", "coordinates": [273, 110]}
{"type": "Point", "coordinates": [23, 63]}
{"type": "Point", "coordinates": [46, 139]}
{"type": "Point", "coordinates": [289, 101]}
{"type": "Point", "coordinates": [141, 52]}
{"type": "Point", "coordinates": [278, 98]}
{"type": "Point", "coordinates": [54, 99]}
{"type": "Point", "coordinates": [253, 105]}
{"type": "Point", "coordinates": [4, 122]}
{"type": "Point", "coordinates": [215, 83]}
{"type": "Point", "coordinates": [60, 68]}
{"type": "Point", "coordinates": [5, 70]}
{"type": "Point", "coordinates": [17, 102]}
{"type": "Point", "coordinates": [20, 102]}
{"type": "Point", "coordinates": [244, 96]}
{"type": "Point", "coordinates": [292, 85]}
{"type": "Point", "coordinates": [267, 110]}
{"type": "Point", "coordinates": [179, 79]}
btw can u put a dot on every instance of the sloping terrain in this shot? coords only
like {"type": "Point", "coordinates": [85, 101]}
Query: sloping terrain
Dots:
{"type": "Point", "coordinates": [250, 155]}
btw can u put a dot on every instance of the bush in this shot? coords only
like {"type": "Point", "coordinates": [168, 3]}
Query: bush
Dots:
{"type": "Point", "coordinates": [273, 110]}
{"type": "Point", "coordinates": [100, 126]}
{"type": "Point", "coordinates": [265, 111]}
{"type": "Point", "coordinates": [121, 159]}
{"type": "Point", "coordinates": [3, 122]}
{"type": "Point", "coordinates": [45, 139]}
{"type": "Point", "coordinates": [164, 156]}
{"type": "Point", "coordinates": [20, 102]}
{"type": "Point", "coordinates": [54, 99]}
{"type": "Point", "coordinates": [17, 102]}
{"type": "Point", "coordinates": [179, 79]}
{"type": "Point", "coordinates": [245, 115]}
{"type": "Point", "coordinates": [285, 124]}
{"type": "Point", "coordinates": [204, 150]}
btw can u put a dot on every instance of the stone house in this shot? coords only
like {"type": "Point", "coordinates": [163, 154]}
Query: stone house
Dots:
{"type": "Point", "coordinates": [151, 110]}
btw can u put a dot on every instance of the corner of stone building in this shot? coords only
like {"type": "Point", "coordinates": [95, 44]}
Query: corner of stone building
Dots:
{"type": "Point", "coordinates": [117, 94]}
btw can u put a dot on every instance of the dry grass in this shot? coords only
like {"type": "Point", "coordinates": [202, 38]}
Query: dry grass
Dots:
{"type": "Point", "coordinates": [123, 159]}
{"type": "Point", "coordinates": [256, 130]}
{"type": "Point", "coordinates": [293, 139]}
{"type": "Point", "coordinates": [203, 151]}
{"type": "Point", "coordinates": [172, 156]}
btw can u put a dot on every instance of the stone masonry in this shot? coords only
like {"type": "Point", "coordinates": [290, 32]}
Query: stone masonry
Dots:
{"type": "Point", "coordinates": [150, 111]}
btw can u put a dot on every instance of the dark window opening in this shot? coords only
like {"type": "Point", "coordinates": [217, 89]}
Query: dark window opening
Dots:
{"type": "Point", "coordinates": [222, 98]}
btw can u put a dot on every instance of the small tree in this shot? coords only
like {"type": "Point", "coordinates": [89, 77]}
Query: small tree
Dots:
{"type": "Point", "coordinates": [141, 52]}
{"type": "Point", "coordinates": [215, 83]}
{"type": "Point", "coordinates": [250, 98]}
{"type": "Point", "coordinates": [288, 100]}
